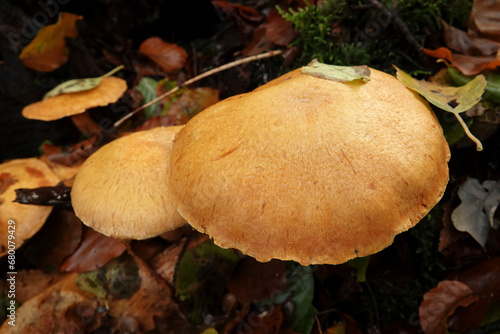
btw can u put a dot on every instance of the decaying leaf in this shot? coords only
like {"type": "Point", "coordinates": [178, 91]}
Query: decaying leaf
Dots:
{"type": "Point", "coordinates": [484, 280]}
{"type": "Point", "coordinates": [256, 281]}
{"type": "Point", "coordinates": [439, 303]}
{"type": "Point", "coordinates": [476, 50]}
{"type": "Point", "coordinates": [79, 85]}
{"type": "Point", "coordinates": [109, 91]}
{"type": "Point", "coordinates": [118, 279]}
{"type": "Point", "coordinates": [170, 57]}
{"type": "Point", "coordinates": [57, 195]}
{"type": "Point", "coordinates": [337, 73]}
{"type": "Point", "coordinates": [95, 251]}
{"type": "Point", "coordinates": [147, 87]}
{"type": "Point", "coordinates": [451, 99]}
{"type": "Point", "coordinates": [492, 89]}
{"type": "Point", "coordinates": [61, 308]}
{"type": "Point", "coordinates": [200, 293]}
{"type": "Point", "coordinates": [300, 291]}
{"type": "Point", "coordinates": [475, 215]}
{"type": "Point", "coordinates": [486, 16]}
{"type": "Point", "coordinates": [26, 219]}
{"type": "Point", "coordinates": [48, 50]}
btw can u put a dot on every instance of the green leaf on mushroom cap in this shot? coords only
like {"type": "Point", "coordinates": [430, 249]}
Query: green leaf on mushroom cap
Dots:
{"type": "Point", "coordinates": [79, 85]}
{"type": "Point", "coordinates": [451, 99]}
{"type": "Point", "coordinates": [336, 73]}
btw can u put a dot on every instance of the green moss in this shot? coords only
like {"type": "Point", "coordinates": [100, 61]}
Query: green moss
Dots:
{"type": "Point", "coordinates": [352, 33]}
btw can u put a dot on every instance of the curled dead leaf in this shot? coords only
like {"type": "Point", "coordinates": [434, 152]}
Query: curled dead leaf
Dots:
{"type": "Point", "coordinates": [170, 57]}
{"type": "Point", "coordinates": [47, 51]}
{"type": "Point", "coordinates": [441, 302]}
{"type": "Point", "coordinates": [468, 65]}
{"type": "Point", "coordinates": [95, 251]}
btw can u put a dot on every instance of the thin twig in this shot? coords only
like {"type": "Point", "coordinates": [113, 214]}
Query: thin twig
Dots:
{"type": "Point", "coordinates": [197, 78]}
{"type": "Point", "coordinates": [479, 145]}
{"type": "Point", "coordinates": [318, 324]}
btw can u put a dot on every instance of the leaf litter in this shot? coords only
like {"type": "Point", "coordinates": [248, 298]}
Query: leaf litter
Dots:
{"type": "Point", "coordinates": [245, 291]}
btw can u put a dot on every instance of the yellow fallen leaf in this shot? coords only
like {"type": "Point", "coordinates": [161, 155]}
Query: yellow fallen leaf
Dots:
{"type": "Point", "coordinates": [47, 51]}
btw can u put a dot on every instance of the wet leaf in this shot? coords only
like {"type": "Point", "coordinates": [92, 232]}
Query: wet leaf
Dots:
{"type": "Point", "coordinates": [79, 85]}
{"type": "Point", "coordinates": [451, 99]}
{"type": "Point", "coordinates": [475, 215]}
{"type": "Point", "coordinates": [94, 251]}
{"type": "Point", "coordinates": [337, 73]}
{"type": "Point", "coordinates": [169, 56]}
{"type": "Point", "coordinates": [201, 278]}
{"type": "Point", "coordinates": [147, 87]}
{"type": "Point", "coordinates": [300, 291]}
{"type": "Point", "coordinates": [47, 51]}
{"type": "Point", "coordinates": [440, 302]}
{"type": "Point", "coordinates": [48, 196]}
{"type": "Point", "coordinates": [118, 279]}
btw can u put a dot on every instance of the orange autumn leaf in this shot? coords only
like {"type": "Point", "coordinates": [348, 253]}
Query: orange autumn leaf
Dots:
{"type": "Point", "coordinates": [170, 57]}
{"type": "Point", "coordinates": [94, 251]}
{"type": "Point", "coordinates": [468, 65]}
{"type": "Point", "coordinates": [47, 51]}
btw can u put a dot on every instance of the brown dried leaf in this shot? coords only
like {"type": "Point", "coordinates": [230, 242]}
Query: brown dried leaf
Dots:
{"type": "Point", "coordinates": [164, 264]}
{"type": "Point", "coordinates": [61, 308]}
{"type": "Point", "coordinates": [441, 302]}
{"type": "Point", "coordinates": [486, 17]}
{"type": "Point", "coordinates": [95, 251]}
{"type": "Point", "coordinates": [246, 17]}
{"type": "Point", "coordinates": [48, 50]}
{"type": "Point", "coordinates": [256, 281]}
{"type": "Point", "coordinates": [468, 44]}
{"type": "Point", "coordinates": [30, 283]}
{"type": "Point", "coordinates": [58, 239]}
{"type": "Point", "coordinates": [484, 280]}
{"type": "Point", "coordinates": [259, 43]}
{"type": "Point", "coordinates": [169, 56]}
{"type": "Point", "coordinates": [278, 30]}
{"type": "Point", "coordinates": [152, 300]}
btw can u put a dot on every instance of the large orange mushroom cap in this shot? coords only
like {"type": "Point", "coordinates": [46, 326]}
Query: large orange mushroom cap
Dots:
{"type": "Point", "coordinates": [122, 189]}
{"type": "Point", "coordinates": [310, 170]}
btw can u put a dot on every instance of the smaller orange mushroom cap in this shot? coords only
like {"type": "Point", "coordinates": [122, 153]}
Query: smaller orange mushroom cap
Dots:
{"type": "Point", "coordinates": [122, 189]}
{"type": "Point", "coordinates": [109, 90]}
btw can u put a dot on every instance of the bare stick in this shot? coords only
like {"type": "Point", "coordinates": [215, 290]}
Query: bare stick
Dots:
{"type": "Point", "coordinates": [197, 78]}
{"type": "Point", "coordinates": [479, 145]}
